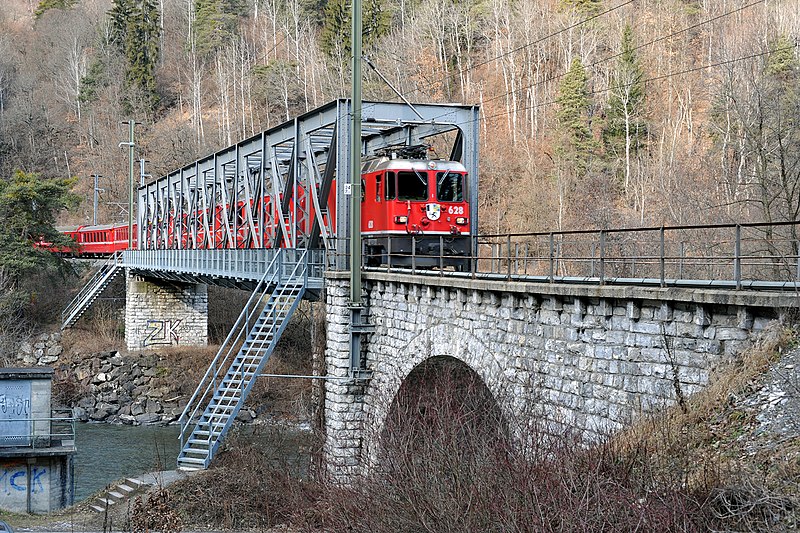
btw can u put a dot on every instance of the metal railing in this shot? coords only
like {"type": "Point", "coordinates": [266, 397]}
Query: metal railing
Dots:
{"type": "Point", "coordinates": [287, 270]}
{"type": "Point", "coordinates": [56, 431]}
{"type": "Point", "coordinates": [236, 263]}
{"type": "Point", "coordinates": [737, 256]}
{"type": "Point", "coordinates": [105, 270]}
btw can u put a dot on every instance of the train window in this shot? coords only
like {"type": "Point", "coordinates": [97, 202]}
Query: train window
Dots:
{"type": "Point", "coordinates": [449, 186]}
{"type": "Point", "coordinates": [363, 190]}
{"type": "Point", "coordinates": [391, 182]}
{"type": "Point", "coordinates": [378, 188]}
{"type": "Point", "coordinates": [412, 185]}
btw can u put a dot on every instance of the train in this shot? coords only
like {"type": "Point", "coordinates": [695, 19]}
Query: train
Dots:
{"type": "Point", "coordinates": [413, 210]}
{"type": "Point", "coordinates": [92, 241]}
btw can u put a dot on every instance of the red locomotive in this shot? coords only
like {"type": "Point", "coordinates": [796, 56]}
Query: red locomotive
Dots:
{"type": "Point", "coordinates": [414, 211]}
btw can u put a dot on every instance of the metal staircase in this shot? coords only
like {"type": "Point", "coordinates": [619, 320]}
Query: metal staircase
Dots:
{"type": "Point", "coordinates": [228, 380]}
{"type": "Point", "coordinates": [102, 278]}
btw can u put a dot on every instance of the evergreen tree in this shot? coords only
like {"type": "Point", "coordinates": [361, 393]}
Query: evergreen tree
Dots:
{"type": "Point", "coordinates": [587, 7]}
{"type": "Point", "coordinates": [136, 32]}
{"type": "Point", "coordinates": [28, 208]}
{"type": "Point", "coordinates": [782, 60]}
{"type": "Point", "coordinates": [120, 15]}
{"type": "Point", "coordinates": [573, 115]}
{"type": "Point", "coordinates": [337, 25]}
{"type": "Point", "coordinates": [46, 5]}
{"type": "Point", "coordinates": [625, 130]}
{"type": "Point", "coordinates": [92, 82]}
{"type": "Point", "coordinates": [215, 23]}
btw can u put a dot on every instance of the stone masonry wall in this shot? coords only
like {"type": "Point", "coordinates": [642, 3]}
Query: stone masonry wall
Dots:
{"type": "Point", "coordinates": [580, 359]}
{"type": "Point", "coordinates": [161, 313]}
{"type": "Point", "coordinates": [344, 406]}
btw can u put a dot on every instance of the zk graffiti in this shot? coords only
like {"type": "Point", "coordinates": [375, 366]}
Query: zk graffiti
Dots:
{"type": "Point", "coordinates": [162, 333]}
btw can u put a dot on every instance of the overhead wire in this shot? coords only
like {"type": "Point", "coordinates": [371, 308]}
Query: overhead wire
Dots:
{"type": "Point", "coordinates": [527, 45]}
{"type": "Point", "coordinates": [651, 79]}
{"type": "Point", "coordinates": [639, 47]}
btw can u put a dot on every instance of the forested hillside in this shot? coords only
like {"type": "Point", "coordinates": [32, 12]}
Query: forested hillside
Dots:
{"type": "Point", "coordinates": [593, 112]}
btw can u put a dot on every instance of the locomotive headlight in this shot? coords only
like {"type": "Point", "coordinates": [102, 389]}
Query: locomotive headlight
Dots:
{"type": "Point", "coordinates": [461, 221]}
{"type": "Point", "coordinates": [402, 219]}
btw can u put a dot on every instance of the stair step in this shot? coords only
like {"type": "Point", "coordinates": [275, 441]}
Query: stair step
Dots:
{"type": "Point", "coordinates": [191, 460]}
{"type": "Point", "coordinates": [125, 488]}
{"type": "Point", "coordinates": [97, 508]}
{"type": "Point", "coordinates": [229, 395]}
{"type": "Point", "coordinates": [192, 453]}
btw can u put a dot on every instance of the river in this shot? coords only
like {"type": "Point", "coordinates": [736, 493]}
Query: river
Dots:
{"type": "Point", "coordinates": [108, 452]}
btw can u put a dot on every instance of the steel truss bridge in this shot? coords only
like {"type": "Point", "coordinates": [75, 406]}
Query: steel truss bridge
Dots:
{"type": "Point", "coordinates": [269, 215]}
{"type": "Point", "coordinates": [277, 189]}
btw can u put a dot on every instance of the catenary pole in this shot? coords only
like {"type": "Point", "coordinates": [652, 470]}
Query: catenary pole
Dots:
{"type": "Point", "coordinates": [355, 159]}
{"type": "Point", "coordinates": [131, 124]}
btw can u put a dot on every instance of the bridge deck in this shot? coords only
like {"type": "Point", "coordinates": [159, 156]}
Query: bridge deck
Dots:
{"type": "Point", "coordinates": [226, 267]}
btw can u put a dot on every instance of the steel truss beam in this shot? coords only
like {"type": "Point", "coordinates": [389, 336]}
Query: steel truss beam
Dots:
{"type": "Point", "coordinates": [274, 189]}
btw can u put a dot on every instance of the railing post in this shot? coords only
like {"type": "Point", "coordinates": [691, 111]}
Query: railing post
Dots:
{"type": "Point", "coordinates": [525, 261]}
{"type": "Point", "coordinates": [662, 259]}
{"type": "Point", "coordinates": [508, 259]}
{"type": "Point", "coordinates": [474, 253]}
{"type": "Point", "coordinates": [441, 255]}
{"type": "Point", "coordinates": [737, 257]}
{"type": "Point", "coordinates": [602, 256]}
{"type": "Point", "coordinates": [389, 253]}
{"type": "Point", "coordinates": [551, 259]}
{"type": "Point", "coordinates": [797, 260]}
{"type": "Point", "coordinates": [413, 254]}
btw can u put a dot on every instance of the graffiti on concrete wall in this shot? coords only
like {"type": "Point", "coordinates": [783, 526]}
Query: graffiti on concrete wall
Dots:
{"type": "Point", "coordinates": [15, 412]}
{"type": "Point", "coordinates": [14, 483]}
{"type": "Point", "coordinates": [162, 333]}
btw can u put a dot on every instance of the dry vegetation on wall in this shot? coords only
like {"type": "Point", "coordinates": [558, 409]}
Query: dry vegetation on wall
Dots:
{"type": "Point", "coordinates": [618, 120]}
{"type": "Point", "coordinates": [448, 465]}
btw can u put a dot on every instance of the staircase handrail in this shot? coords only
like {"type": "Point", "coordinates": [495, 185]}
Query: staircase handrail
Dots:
{"type": "Point", "coordinates": [109, 265]}
{"type": "Point", "coordinates": [218, 363]}
{"type": "Point", "coordinates": [221, 426]}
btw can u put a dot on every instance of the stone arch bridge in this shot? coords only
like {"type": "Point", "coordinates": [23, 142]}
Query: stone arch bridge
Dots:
{"type": "Point", "coordinates": [592, 357]}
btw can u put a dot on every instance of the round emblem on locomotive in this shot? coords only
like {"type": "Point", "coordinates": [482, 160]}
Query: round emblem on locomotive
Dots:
{"type": "Point", "coordinates": [433, 211]}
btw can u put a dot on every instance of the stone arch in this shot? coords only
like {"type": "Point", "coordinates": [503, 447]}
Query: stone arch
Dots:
{"type": "Point", "coordinates": [444, 340]}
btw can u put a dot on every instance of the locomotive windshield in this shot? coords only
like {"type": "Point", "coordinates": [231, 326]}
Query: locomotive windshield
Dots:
{"type": "Point", "coordinates": [412, 186]}
{"type": "Point", "coordinates": [449, 186]}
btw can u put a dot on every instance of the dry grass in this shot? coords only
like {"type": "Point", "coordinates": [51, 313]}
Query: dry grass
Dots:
{"type": "Point", "coordinates": [449, 466]}
{"type": "Point", "coordinates": [710, 450]}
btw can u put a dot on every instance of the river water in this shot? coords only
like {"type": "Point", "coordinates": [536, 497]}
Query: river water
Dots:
{"type": "Point", "coordinates": [108, 452]}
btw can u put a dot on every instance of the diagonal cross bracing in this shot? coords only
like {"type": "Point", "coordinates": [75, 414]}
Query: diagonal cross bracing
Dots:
{"type": "Point", "coordinates": [279, 188]}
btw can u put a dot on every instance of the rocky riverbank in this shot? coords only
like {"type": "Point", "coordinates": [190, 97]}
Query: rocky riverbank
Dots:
{"type": "Point", "coordinates": [117, 387]}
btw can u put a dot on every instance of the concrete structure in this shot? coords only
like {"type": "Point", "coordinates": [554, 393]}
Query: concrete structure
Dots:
{"type": "Point", "coordinates": [161, 313]}
{"type": "Point", "coordinates": [36, 444]}
{"type": "Point", "coordinates": [591, 357]}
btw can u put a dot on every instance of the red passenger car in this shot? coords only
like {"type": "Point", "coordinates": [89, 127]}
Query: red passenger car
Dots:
{"type": "Point", "coordinates": [94, 241]}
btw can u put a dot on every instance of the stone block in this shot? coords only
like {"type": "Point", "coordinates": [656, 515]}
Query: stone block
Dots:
{"type": "Point", "coordinates": [702, 316]}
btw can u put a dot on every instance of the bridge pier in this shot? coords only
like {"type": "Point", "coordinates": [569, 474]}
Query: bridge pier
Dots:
{"type": "Point", "coordinates": [162, 313]}
{"type": "Point", "coordinates": [343, 400]}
